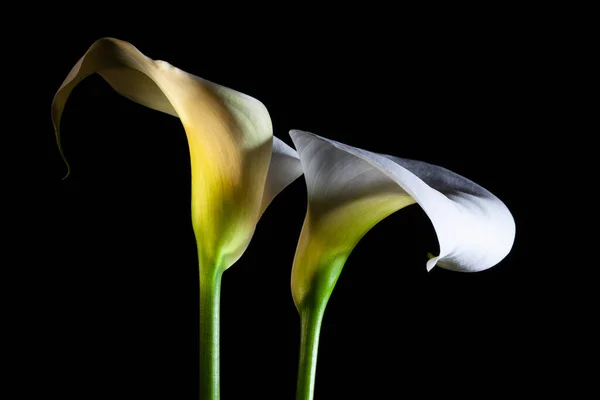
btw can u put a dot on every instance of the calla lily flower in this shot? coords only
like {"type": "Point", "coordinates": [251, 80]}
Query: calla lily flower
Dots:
{"type": "Point", "coordinates": [349, 191]}
{"type": "Point", "coordinates": [237, 168]}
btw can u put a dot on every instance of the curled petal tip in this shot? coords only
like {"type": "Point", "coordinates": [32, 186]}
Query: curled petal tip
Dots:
{"type": "Point", "coordinates": [350, 190]}
{"type": "Point", "coordinates": [230, 137]}
{"type": "Point", "coordinates": [431, 262]}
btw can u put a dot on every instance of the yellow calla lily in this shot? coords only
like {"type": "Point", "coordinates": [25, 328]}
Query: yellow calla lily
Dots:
{"type": "Point", "coordinates": [237, 168]}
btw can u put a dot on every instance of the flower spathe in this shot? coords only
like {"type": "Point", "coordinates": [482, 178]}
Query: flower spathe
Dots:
{"type": "Point", "coordinates": [237, 166]}
{"type": "Point", "coordinates": [350, 190]}
{"type": "Point", "coordinates": [230, 139]}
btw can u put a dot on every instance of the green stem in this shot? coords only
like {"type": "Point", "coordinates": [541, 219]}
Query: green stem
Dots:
{"type": "Point", "coordinates": [311, 318]}
{"type": "Point", "coordinates": [210, 296]}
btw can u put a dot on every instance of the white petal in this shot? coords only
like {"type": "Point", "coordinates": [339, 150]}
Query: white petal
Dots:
{"type": "Point", "coordinates": [475, 229]}
{"type": "Point", "coordinates": [285, 168]}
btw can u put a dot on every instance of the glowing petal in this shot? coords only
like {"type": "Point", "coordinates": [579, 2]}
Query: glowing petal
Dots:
{"type": "Point", "coordinates": [350, 190]}
{"type": "Point", "coordinates": [229, 135]}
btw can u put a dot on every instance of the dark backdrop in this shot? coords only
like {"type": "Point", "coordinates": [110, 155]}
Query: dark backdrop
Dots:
{"type": "Point", "coordinates": [121, 309]}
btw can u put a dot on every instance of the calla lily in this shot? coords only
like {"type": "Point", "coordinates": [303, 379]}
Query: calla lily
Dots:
{"type": "Point", "coordinates": [237, 169]}
{"type": "Point", "coordinates": [349, 191]}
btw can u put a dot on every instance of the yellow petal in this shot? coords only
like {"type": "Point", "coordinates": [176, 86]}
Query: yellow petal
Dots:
{"type": "Point", "coordinates": [229, 135]}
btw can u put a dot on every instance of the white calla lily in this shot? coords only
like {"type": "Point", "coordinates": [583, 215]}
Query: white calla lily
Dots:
{"type": "Point", "coordinates": [350, 190]}
{"type": "Point", "coordinates": [237, 167]}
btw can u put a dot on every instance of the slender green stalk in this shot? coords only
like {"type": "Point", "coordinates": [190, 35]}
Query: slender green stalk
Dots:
{"type": "Point", "coordinates": [311, 318]}
{"type": "Point", "coordinates": [210, 296]}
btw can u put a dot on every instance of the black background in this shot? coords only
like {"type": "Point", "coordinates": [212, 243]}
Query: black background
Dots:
{"type": "Point", "coordinates": [119, 276]}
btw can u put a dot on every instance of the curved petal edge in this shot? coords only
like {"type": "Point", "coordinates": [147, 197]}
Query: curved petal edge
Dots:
{"type": "Point", "coordinates": [474, 228]}
{"type": "Point", "coordinates": [230, 138]}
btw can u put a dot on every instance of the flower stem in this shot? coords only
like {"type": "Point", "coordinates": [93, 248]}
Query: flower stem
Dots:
{"type": "Point", "coordinates": [311, 318]}
{"type": "Point", "coordinates": [210, 296]}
